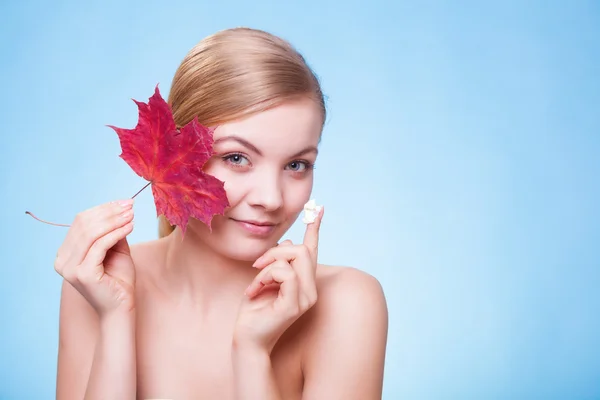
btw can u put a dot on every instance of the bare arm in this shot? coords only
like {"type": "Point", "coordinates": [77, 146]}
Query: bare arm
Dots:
{"type": "Point", "coordinates": [113, 374]}
{"type": "Point", "coordinates": [96, 357]}
{"type": "Point", "coordinates": [78, 333]}
{"type": "Point", "coordinates": [345, 352]}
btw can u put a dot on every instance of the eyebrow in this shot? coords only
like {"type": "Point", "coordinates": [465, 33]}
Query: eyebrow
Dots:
{"type": "Point", "coordinates": [252, 147]}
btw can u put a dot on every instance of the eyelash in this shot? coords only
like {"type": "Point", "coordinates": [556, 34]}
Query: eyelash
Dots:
{"type": "Point", "coordinates": [308, 165]}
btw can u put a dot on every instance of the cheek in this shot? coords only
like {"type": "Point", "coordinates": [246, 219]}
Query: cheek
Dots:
{"type": "Point", "coordinates": [234, 191]}
{"type": "Point", "coordinates": [232, 183]}
{"type": "Point", "coordinates": [296, 194]}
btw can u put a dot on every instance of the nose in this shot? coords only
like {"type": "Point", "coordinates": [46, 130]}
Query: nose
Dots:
{"type": "Point", "coordinates": [266, 192]}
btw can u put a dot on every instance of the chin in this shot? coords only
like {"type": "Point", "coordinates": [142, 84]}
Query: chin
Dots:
{"type": "Point", "coordinates": [242, 248]}
{"type": "Point", "coordinates": [247, 252]}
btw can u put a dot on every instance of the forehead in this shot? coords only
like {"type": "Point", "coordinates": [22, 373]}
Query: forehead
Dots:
{"type": "Point", "coordinates": [290, 125]}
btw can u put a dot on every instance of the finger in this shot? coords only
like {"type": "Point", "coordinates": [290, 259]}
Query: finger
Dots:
{"type": "Point", "coordinates": [122, 246]}
{"type": "Point", "coordinates": [289, 288]}
{"type": "Point", "coordinates": [256, 285]}
{"type": "Point", "coordinates": [284, 275]}
{"type": "Point", "coordinates": [262, 261]}
{"type": "Point", "coordinates": [285, 252]}
{"type": "Point", "coordinates": [272, 287]}
{"type": "Point", "coordinates": [82, 223]}
{"type": "Point", "coordinates": [96, 211]}
{"type": "Point", "coordinates": [259, 280]}
{"type": "Point", "coordinates": [92, 225]}
{"type": "Point", "coordinates": [311, 235]}
{"type": "Point", "coordinates": [91, 267]}
{"type": "Point", "coordinates": [299, 257]}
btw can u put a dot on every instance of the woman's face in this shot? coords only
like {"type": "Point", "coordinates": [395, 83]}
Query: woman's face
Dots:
{"type": "Point", "coordinates": [266, 163]}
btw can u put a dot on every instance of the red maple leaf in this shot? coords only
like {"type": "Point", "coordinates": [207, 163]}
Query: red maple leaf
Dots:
{"type": "Point", "coordinates": [172, 160]}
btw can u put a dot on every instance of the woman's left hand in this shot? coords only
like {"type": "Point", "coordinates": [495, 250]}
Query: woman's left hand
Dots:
{"type": "Point", "coordinates": [283, 290]}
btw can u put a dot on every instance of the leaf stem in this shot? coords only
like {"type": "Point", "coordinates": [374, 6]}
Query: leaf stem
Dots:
{"type": "Point", "coordinates": [141, 190]}
{"type": "Point", "coordinates": [65, 225]}
{"type": "Point", "coordinates": [46, 222]}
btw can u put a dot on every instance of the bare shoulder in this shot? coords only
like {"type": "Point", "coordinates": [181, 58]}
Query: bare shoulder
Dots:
{"type": "Point", "coordinates": [336, 283]}
{"type": "Point", "coordinates": [343, 353]}
{"type": "Point", "coordinates": [347, 295]}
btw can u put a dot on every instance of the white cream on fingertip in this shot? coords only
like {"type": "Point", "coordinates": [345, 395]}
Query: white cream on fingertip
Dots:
{"type": "Point", "coordinates": [311, 211]}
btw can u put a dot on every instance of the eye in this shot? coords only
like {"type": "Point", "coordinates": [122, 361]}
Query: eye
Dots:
{"type": "Point", "coordinates": [236, 159]}
{"type": "Point", "coordinates": [299, 166]}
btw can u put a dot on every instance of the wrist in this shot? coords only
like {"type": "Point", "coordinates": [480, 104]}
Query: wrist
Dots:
{"type": "Point", "coordinates": [117, 317]}
{"type": "Point", "coordinates": [247, 347]}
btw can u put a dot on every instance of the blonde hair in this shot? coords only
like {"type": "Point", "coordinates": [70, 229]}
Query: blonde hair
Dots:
{"type": "Point", "coordinates": [235, 73]}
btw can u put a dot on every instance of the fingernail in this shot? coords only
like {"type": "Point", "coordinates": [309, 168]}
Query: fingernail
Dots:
{"type": "Point", "coordinates": [258, 260]}
{"type": "Point", "coordinates": [125, 203]}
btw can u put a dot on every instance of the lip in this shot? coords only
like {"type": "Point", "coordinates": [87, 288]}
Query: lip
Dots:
{"type": "Point", "coordinates": [256, 228]}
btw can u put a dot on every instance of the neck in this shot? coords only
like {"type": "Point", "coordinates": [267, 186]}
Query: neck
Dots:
{"type": "Point", "coordinates": [198, 273]}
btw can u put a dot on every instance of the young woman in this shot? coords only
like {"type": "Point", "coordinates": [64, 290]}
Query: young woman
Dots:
{"type": "Point", "coordinates": [230, 313]}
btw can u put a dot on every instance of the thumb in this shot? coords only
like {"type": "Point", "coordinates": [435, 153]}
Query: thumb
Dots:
{"type": "Point", "coordinates": [122, 246]}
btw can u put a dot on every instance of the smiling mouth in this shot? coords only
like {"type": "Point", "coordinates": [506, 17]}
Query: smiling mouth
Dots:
{"type": "Point", "coordinates": [256, 228]}
{"type": "Point", "coordinates": [257, 223]}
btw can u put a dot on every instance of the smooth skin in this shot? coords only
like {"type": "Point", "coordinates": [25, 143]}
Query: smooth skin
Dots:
{"type": "Point", "coordinates": [227, 314]}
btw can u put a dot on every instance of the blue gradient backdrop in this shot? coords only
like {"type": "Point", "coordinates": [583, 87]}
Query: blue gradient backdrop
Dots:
{"type": "Point", "coordinates": [467, 132]}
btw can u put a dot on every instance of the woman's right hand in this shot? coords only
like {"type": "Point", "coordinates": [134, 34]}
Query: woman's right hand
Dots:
{"type": "Point", "coordinates": [95, 258]}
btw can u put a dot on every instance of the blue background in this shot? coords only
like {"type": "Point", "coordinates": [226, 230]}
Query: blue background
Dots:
{"type": "Point", "coordinates": [468, 133]}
